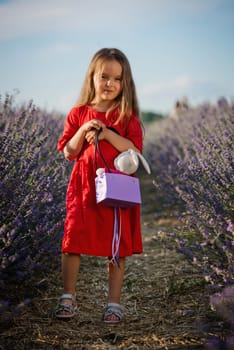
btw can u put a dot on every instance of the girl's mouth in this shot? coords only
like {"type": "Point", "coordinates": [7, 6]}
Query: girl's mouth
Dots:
{"type": "Point", "coordinates": [108, 91]}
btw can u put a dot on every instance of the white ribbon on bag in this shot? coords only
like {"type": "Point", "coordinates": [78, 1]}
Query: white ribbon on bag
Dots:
{"type": "Point", "coordinates": [128, 162]}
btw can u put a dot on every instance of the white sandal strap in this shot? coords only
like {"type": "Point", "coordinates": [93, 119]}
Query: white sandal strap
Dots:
{"type": "Point", "coordinates": [68, 296]}
{"type": "Point", "coordinates": [115, 306]}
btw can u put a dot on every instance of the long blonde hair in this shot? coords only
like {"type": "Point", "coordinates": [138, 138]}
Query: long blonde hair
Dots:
{"type": "Point", "coordinates": [126, 103]}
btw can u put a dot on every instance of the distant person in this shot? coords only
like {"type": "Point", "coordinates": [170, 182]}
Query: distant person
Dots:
{"type": "Point", "coordinates": [108, 102]}
{"type": "Point", "coordinates": [181, 106]}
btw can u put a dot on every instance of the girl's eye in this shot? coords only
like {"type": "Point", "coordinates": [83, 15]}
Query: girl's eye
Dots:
{"type": "Point", "coordinates": [106, 78]}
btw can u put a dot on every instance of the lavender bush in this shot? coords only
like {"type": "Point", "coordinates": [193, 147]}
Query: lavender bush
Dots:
{"type": "Point", "coordinates": [192, 159]}
{"type": "Point", "coordinates": [32, 185]}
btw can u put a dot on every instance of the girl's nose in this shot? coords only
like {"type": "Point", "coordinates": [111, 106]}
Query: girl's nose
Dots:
{"type": "Point", "coordinates": [109, 82]}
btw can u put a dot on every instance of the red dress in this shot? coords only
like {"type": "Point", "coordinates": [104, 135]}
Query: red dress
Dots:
{"type": "Point", "coordinates": [88, 227]}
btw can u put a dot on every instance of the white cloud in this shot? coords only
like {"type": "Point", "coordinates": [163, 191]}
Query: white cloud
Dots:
{"type": "Point", "coordinates": [25, 17]}
{"type": "Point", "coordinates": [182, 82]}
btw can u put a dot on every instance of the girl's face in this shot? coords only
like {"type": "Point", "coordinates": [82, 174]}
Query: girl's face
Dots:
{"type": "Point", "coordinates": [107, 82]}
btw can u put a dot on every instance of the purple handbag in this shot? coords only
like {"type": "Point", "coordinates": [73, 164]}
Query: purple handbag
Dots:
{"type": "Point", "coordinates": [114, 188]}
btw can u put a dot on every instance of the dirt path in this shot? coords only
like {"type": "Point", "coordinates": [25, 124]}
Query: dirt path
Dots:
{"type": "Point", "coordinates": [164, 305]}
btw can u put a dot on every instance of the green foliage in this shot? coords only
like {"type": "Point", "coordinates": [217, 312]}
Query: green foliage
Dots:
{"type": "Point", "coordinates": [149, 117]}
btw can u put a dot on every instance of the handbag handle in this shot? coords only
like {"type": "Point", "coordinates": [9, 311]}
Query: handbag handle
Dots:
{"type": "Point", "coordinates": [97, 148]}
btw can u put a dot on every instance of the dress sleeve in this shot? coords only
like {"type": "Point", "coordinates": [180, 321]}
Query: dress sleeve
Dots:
{"type": "Point", "coordinates": [70, 127]}
{"type": "Point", "coordinates": [134, 132]}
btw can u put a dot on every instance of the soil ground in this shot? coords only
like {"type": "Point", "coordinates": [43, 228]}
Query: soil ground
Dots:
{"type": "Point", "coordinates": [167, 308]}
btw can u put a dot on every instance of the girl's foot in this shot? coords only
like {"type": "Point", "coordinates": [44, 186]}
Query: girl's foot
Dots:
{"type": "Point", "coordinates": [113, 313]}
{"type": "Point", "coordinates": [66, 307]}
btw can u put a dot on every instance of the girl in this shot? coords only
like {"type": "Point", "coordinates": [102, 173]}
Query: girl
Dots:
{"type": "Point", "coordinates": [107, 103]}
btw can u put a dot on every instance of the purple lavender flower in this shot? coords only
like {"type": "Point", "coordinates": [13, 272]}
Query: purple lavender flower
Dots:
{"type": "Point", "coordinates": [32, 208]}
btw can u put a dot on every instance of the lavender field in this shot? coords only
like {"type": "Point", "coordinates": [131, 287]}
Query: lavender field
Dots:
{"type": "Point", "coordinates": [192, 161]}
{"type": "Point", "coordinates": [192, 157]}
{"type": "Point", "coordinates": [33, 185]}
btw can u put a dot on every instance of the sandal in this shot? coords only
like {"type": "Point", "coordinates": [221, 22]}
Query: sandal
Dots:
{"type": "Point", "coordinates": [113, 309]}
{"type": "Point", "coordinates": [66, 310]}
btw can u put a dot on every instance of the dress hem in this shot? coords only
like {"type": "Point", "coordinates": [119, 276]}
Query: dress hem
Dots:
{"type": "Point", "coordinates": [100, 255]}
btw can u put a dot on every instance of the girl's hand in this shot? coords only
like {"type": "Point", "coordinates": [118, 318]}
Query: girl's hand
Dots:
{"type": "Point", "coordinates": [90, 136]}
{"type": "Point", "coordinates": [93, 124]}
{"type": "Point", "coordinates": [90, 128]}
{"type": "Point", "coordinates": [86, 132]}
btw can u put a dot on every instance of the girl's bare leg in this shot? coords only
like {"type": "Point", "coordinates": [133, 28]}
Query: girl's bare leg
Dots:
{"type": "Point", "coordinates": [116, 276]}
{"type": "Point", "coordinates": [70, 270]}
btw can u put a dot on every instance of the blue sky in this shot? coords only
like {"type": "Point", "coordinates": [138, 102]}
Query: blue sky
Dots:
{"type": "Point", "coordinates": [175, 47]}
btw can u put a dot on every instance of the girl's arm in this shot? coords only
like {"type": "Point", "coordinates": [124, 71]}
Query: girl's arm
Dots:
{"type": "Point", "coordinates": [74, 145]}
{"type": "Point", "coordinates": [119, 142]}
